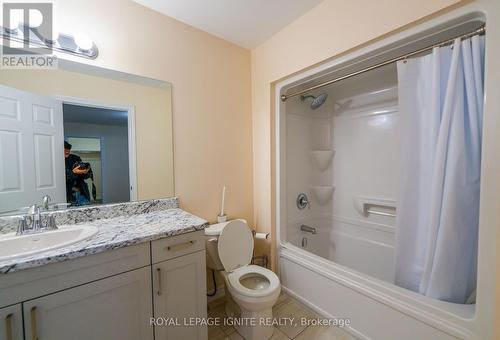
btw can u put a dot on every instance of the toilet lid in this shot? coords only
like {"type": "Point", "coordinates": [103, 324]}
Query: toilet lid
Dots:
{"type": "Point", "coordinates": [235, 245]}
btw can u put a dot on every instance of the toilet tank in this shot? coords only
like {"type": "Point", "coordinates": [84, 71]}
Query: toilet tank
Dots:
{"type": "Point", "coordinates": [213, 260]}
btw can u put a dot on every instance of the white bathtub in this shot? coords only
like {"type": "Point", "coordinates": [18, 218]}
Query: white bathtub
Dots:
{"type": "Point", "coordinates": [344, 275]}
{"type": "Point", "coordinates": [350, 243]}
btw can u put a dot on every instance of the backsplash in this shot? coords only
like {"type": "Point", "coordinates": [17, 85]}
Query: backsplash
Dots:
{"type": "Point", "coordinates": [91, 213]}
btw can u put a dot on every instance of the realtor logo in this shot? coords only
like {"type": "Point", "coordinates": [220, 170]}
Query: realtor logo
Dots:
{"type": "Point", "coordinates": [27, 36]}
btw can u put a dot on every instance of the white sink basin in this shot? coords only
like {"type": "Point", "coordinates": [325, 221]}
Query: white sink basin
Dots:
{"type": "Point", "coordinates": [12, 246]}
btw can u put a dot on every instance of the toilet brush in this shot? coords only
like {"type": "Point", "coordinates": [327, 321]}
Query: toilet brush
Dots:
{"type": "Point", "coordinates": [222, 217]}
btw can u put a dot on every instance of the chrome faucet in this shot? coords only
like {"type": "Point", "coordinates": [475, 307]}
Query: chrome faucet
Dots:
{"type": "Point", "coordinates": [46, 202]}
{"type": "Point", "coordinates": [308, 229]}
{"type": "Point", "coordinates": [36, 217]}
{"type": "Point", "coordinates": [32, 222]}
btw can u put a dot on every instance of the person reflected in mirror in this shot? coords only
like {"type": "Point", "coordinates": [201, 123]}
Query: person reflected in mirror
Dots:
{"type": "Point", "coordinates": [77, 190]}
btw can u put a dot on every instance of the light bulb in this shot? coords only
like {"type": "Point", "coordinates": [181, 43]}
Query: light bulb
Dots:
{"type": "Point", "coordinates": [83, 42]}
{"type": "Point", "coordinates": [36, 18]}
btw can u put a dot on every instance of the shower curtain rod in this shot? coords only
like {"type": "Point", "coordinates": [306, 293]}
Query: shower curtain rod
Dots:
{"type": "Point", "coordinates": [481, 30]}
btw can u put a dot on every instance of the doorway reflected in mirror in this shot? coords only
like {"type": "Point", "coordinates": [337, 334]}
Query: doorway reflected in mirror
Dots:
{"type": "Point", "coordinates": [97, 164]}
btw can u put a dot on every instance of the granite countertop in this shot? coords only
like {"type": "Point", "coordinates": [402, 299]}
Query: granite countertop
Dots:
{"type": "Point", "coordinates": [114, 232]}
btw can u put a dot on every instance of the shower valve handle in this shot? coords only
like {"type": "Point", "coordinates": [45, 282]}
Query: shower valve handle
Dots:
{"type": "Point", "coordinates": [303, 201]}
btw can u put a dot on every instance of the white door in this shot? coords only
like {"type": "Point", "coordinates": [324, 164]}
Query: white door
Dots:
{"type": "Point", "coordinates": [11, 323]}
{"type": "Point", "coordinates": [31, 149]}
{"type": "Point", "coordinates": [118, 307]}
{"type": "Point", "coordinates": [179, 292]}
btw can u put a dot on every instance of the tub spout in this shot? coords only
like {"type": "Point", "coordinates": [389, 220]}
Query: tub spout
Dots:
{"type": "Point", "coordinates": [308, 229]}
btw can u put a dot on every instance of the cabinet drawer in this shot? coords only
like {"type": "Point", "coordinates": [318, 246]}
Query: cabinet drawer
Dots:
{"type": "Point", "coordinates": [175, 246]}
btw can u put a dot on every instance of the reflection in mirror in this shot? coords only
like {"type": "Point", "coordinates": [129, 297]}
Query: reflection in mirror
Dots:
{"type": "Point", "coordinates": [96, 154]}
{"type": "Point", "coordinates": [82, 135]}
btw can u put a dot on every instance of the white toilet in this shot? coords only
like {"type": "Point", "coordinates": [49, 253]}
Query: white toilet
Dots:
{"type": "Point", "coordinates": [251, 291]}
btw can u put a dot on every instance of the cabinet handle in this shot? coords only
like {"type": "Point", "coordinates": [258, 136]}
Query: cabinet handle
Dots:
{"type": "Point", "coordinates": [181, 245]}
{"type": "Point", "coordinates": [158, 273]}
{"type": "Point", "coordinates": [8, 327]}
{"type": "Point", "coordinates": [34, 336]}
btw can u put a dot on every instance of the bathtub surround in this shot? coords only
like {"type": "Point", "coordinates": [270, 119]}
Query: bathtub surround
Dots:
{"type": "Point", "coordinates": [441, 108]}
{"type": "Point", "coordinates": [367, 161]}
{"type": "Point", "coordinates": [120, 225]}
{"type": "Point", "coordinates": [317, 36]}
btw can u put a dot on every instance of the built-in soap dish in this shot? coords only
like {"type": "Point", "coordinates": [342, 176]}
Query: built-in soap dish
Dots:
{"type": "Point", "coordinates": [323, 193]}
{"type": "Point", "coordinates": [323, 158]}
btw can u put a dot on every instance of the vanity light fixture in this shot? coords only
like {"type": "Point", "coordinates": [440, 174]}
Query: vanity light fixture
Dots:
{"type": "Point", "coordinates": [83, 42]}
{"type": "Point", "coordinates": [79, 45]}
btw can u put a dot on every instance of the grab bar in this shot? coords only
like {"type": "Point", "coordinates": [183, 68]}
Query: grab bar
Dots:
{"type": "Point", "coordinates": [308, 229]}
{"type": "Point", "coordinates": [366, 206]}
{"type": "Point", "coordinates": [380, 213]}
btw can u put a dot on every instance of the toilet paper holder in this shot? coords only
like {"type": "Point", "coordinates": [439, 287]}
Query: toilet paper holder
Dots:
{"type": "Point", "coordinates": [260, 236]}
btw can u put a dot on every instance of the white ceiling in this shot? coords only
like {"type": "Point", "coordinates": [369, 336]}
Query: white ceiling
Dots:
{"type": "Point", "coordinates": [247, 23]}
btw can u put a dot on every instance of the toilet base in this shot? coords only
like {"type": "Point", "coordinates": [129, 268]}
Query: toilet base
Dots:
{"type": "Point", "coordinates": [258, 331]}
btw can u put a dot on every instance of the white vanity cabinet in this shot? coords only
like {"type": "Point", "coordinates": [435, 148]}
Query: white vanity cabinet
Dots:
{"type": "Point", "coordinates": [110, 295]}
{"type": "Point", "coordinates": [179, 286]}
{"type": "Point", "coordinates": [12, 323]}
{"type": "Point", "coordinates": [118, 307]}
{"type": "Point", "coordinates": [179, 289]}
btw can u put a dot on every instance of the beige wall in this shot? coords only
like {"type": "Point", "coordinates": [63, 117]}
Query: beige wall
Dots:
{"type": "Point", "coordinates": [153, 117]}
{"type": "Point", "coordinates": [210, 95]}
{"type": "Point", "coordinates": [324, 32]}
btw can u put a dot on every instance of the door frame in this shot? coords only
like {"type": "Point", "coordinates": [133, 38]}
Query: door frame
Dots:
{"type": "Point", "coordinates": [130, 109]}
{"type": "Point", "coordinates": [103, 154]}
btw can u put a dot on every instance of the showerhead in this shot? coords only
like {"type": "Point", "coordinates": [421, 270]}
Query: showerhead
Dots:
{"type": "Point", "coordinates": [317, 101]}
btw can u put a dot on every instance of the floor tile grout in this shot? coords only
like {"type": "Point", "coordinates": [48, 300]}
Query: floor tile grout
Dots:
{"type": "Point", "coordinates": [286, 306]}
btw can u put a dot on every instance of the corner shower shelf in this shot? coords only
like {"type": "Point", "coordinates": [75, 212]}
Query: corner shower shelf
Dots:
{"type": "Point", "coordinates": [323, 158]}
{"type": "Point", "coordinates": [323, 193]}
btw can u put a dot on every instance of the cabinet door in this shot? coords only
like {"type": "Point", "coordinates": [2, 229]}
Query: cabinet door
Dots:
{"type": "Point", "coordinates": [179, 289]}
{"type": "Point", "coordinates": [118, 307]}
{"type": "Point", "coordinates": [11, 326]}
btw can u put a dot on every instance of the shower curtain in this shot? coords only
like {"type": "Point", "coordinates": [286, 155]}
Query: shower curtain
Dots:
{"type": "Point", "coordinates": [440, 105]}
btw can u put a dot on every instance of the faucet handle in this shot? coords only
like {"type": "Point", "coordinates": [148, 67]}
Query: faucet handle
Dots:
{"type": "Point", "coordinates": [22, 226]}
{"type": "Point", "coordinates": [46, 202]}
{"type": "Point", "coordinates": [51, 222]}
{"type": "Point", "coordinates": [303, 202]}
{"type": "Point", "coordinates": [34, 209]}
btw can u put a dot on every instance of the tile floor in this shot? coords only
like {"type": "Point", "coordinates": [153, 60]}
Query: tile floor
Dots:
{"type": "Point", "coordinates": [285, 307]}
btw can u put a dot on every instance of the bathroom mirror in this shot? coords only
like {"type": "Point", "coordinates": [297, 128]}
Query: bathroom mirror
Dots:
{"type": "Point", "coordinates": [82, 135]}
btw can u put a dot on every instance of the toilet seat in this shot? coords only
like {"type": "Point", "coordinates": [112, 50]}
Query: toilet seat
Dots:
{"type": "Point", "coordinates": [235, 245]}
{"type": "Point", "coordinates": [234, 282]}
